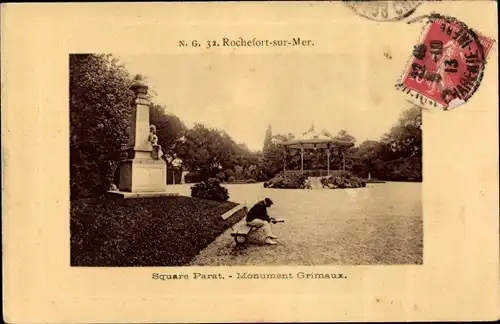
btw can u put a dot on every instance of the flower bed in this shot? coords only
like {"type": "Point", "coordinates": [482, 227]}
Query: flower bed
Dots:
{"type": "Point", "coordinates": [288, 182]}
{"type": "Point", "coordinates": [342, 179]}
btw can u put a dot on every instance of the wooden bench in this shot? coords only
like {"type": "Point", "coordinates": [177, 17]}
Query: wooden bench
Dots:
{"type": "Point", "coordinates": [241, 233]}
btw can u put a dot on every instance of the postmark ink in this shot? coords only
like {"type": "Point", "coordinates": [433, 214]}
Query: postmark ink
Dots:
{"type": "Point", "coordinates": [447, 64]}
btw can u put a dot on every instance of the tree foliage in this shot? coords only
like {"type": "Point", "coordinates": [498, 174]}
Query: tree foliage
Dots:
{"type": "Point", "coordinates": [398, 155]}
{"type": "Point", "coordinates": [344, 135]}
{"type": "Point", "coordinates": [275, 154]}
{"type": "Point", "coordinates": [268, 139]}
{"type": "Point", "coordinates": [170, 130]}
{"type": "Point", "coordinates": [213, 153]}
{"type": "Point", "coordinates": [99, 119]}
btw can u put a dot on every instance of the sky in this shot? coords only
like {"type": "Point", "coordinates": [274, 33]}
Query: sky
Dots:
{"type": "Point", "coordinates": [244, 93]}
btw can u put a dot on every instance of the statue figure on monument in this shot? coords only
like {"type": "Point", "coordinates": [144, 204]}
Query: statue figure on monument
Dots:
{"type": "Point", "coordinates": [153, 139]}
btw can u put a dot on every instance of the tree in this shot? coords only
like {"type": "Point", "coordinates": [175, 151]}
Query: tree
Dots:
{"type": "Point", "coordinates": [228, 173]}
{"type": "Point", "coordinates": [100, 113]}
{"type": "Point", "coordinates": [268, 139]}
{"type": "Point", "coordinates": [398, 155]}
{"type": "Point", "coordinates": [170, 130]}
{"type": "Point", "coordinates": [405, 138]}
{"type": "Point", "coordinates": [251, 172]}
{"type": "Point", "coordinates": [273, 157]}
{"type": "Point", "coordinates": [238, 172]}
{"type": "Point", "coordinates": [211, 151]}
{"type": "Point", "coordinates": [343, 135]}
{"type": "Point", "coordinates": [403, 147]}
{"type": "Point", "coordinates": [207, 150]}
{"type": "Point", "coordinates": [365, 157]}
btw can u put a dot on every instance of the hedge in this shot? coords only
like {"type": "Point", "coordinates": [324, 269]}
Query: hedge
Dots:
{"type": "Point", "coordinates": [163, 231]}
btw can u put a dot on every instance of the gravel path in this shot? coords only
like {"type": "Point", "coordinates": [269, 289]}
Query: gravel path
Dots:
{"type": "Point", "coordinates": [379, 224]}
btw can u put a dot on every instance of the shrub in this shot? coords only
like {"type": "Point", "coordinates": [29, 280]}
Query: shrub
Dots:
{"type": "Point", "coordinates": [231, 179]}
{"type": "Point", "coordinates": [194, 176]}
{"type": "Point", "coordinates": [342, 179]}
{"type": "Point", "coordinates": [221, 176]}
{"type": "Point", "coordinates": [210, 189]}
{"type": "Point", "coordinates": [251, 181]}
{"type": "Point", "coordinates": [403, 169]}
{"type": "Point", "coordinates": [228, 173]}
{"type": "Point", "coordinates": [288, 182]}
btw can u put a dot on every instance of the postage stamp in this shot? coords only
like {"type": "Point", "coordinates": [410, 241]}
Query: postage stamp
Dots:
{"type": "Point", "coordinates": [447, 65]}
{"type": "Point", "coordinates": [383, 10]}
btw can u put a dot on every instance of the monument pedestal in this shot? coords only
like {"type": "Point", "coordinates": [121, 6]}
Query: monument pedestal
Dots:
{"type": "Point", "coordinates": [140, 178]}
{"type": "Point", "coordinates": [142, 175]}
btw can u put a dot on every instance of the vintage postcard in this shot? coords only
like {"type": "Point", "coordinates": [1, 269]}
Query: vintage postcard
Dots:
{"type": "Point", "coordinates": [250, 161]}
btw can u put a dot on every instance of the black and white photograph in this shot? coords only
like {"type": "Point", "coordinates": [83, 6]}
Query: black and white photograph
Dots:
{"type": "Point", "coordinates": [240, 160]}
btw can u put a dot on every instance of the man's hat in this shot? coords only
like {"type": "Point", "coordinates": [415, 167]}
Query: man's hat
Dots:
{"type": "Point", "coordinates": [268, 201]}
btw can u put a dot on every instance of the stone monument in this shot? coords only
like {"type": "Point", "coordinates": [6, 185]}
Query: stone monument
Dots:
{"type": "Point", "coordinates": [144, 172]}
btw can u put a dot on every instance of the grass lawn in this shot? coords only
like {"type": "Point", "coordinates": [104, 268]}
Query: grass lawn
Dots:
{"type": "Point", "coordinates": [163, 231]}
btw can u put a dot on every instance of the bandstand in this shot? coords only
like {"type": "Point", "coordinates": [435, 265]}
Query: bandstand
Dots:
{"type": "Point", "coordinates": [316, 140]}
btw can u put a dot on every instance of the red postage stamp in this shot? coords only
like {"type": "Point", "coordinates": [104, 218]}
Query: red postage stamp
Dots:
{"type": "Point", "coordinates": [447, 65]}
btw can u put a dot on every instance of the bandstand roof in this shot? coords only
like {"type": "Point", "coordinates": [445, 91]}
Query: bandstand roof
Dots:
{"type": "Point", "coordinates": [316, 139]}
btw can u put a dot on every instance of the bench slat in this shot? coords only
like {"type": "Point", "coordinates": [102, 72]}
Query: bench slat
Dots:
{"type": "Point", "coordinates": [231, 212]}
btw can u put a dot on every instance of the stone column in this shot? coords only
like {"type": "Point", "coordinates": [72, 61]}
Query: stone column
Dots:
{"type": "Point", "coordinates": [141, 172]}
{"type": "Point", "coordinates": [139, 133]}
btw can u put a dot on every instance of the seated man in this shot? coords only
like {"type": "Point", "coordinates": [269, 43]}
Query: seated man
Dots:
{"type": "Point", "coordinates": [257, 217]}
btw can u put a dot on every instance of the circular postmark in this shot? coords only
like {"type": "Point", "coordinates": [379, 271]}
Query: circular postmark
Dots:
{"type": "Point", "coordinates": [447, 64]}
{"type": "Point", "coordinates": [383, 10]}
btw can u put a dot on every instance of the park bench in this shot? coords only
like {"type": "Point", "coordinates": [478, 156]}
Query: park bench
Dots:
{"type": "Point", "coordinates": [241, 233]}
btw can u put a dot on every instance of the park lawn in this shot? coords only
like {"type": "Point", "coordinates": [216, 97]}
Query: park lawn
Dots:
{"type": "Point", "coordinates": [380, 238]}
{"type": "Point", "coordinates": [381, 224]}
{"type": "Point", "coordinates": [163, 231]}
